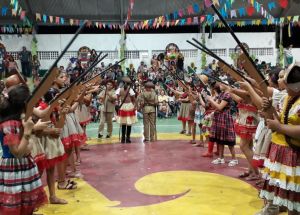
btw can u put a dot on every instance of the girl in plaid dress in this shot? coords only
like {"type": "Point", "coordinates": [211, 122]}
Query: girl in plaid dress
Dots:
{"type": "Point", "coordinates": [21, 189]}
{"type": "Point", "coordinates": [222, 129]}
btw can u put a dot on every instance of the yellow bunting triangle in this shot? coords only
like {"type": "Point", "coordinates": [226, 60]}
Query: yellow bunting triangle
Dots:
{"type": "Point", "coordinates": [14, 12]}
{"type": "Point", "coordinates": [38, 16]}
{"type": "Point", "coordinates": [216, 2]}
{"type": "Point", "coordinates": [269, 21]}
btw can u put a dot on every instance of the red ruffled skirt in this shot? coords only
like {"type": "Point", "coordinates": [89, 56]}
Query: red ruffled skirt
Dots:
{"type": "Point", "coordinates": [21, 189]}
{"type": "Point", "coordinates": [72, 134]}
{"type": "Point", "coordinates": [281, 177]}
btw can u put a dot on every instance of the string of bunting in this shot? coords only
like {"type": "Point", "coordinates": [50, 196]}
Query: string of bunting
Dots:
{"type": "Point", "coordinates": [184, 16]}
{"type": "Point", "coordinates": [15, 10]}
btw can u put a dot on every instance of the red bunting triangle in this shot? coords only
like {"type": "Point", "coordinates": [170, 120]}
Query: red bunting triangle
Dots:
{"type": "Point", "coordinates": [283, 3]}
{"type": "Point", "coordinates": [250, 10]}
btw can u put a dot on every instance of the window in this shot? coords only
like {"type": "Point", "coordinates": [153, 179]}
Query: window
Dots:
{"type": "Point", "coordinates": [14, 54]}
{"type": "Point", "coordinates": [262, 51]}
{"type": "Point", "coordinates": [132, 54]}
{"type": "Point", "coordinates": [189, 53]}
{"type": "Point", "coordinates": [47, 55]}
{"type": "Point", "coordinates": [69, 54]}
{"type": "Point", "coordinates": [258, 51]}
{"type": "Point", "coordinates": [219, 52]}
{"type": "Point", "coordinates": [157, 52]}
{"type": "Point", "coordinates": [111, 54]}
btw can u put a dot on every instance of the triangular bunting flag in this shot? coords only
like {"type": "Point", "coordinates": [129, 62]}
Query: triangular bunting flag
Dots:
{"type": "Point", "coordinates": [57, 20]}
{"type": "Point", "coordinates": [233, 13]}
{"type": "Point", "coordinates": [38, 17]}
{"type": "Point", "coordinates": [216, 2]}
{"type": "Point", "coordinates": [296, 19]}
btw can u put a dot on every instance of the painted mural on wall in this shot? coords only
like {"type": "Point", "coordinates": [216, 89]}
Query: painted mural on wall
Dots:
{"type": "Point", "coordinates": [84, 55]}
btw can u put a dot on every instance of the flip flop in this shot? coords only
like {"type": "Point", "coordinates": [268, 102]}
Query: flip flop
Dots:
{"type": "Point", "coordinates": [252, 178]}
{"type": "Point", "coordinates": [68, 186]}
{"type": "Point", "coordinates": [244, 175]}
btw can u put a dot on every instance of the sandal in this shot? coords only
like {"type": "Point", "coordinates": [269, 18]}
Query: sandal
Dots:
{"type": "Point", "coordinates": [75, 175]}
{"type": "Point", "coordinates": [252, 178]}
{"type": "Point", "coordinates": [70, 185]}
{"type": "Point", "coordinates": [244, 175]}
{"type": "Point", "coordinates": [198, 145]}
{"type": "Point", "coordinates": [85, 148]}
{"type": "Point", "coordinates": [193, 142]}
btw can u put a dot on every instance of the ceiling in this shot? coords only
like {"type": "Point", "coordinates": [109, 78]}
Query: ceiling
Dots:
{"type": "Point", "coordinates": [115, 11]}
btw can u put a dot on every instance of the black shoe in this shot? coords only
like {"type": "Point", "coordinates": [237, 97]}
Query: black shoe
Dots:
{"type": "Point", "coordinates": [100, 135]}
{"type": "Point", "coordinates": [107, 136]}
{"type": "Point", "coordinates": [146, 141]}
{"type": "Point", "coordinates": [128, 141]}
{"type": "Point", "coordinates": [122, 141]}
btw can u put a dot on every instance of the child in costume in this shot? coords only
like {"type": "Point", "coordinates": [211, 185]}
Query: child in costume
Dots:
{"type": "Point", "coordinates": [281, 184]}
{"type": "Point", "coordinates": [222, 129]}
{"type": "Point", "coordinates": [21, 189]}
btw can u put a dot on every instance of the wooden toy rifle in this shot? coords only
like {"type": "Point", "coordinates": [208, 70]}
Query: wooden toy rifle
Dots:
{"type": "Point", "coordinates": [67, 91]}
{"type": "Point", "coordinates": [74, 93]}
{"type": "Point", "coordinates": [182, 84]}
{"type": "Point", "coordinates": [48, 79]}
{"type": "Point", "coordinates": [247, 61]}
{"type": "Point", "coordinates": [77, 87]}
{"type": "Point", "coordinates": [219, 80]}
{"type": "Point", "coordinates": [222, 64]}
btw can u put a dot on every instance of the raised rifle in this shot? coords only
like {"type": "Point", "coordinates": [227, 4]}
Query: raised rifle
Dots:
{"type": "Point", "coordinates": [77, 87]}
{"type": "Point", "coordinates": [74, 93]}
{"type": "Point", "coordinates": [48, 79]}
{"type": "Point", "coordinates": [247, 61]}
{"type": "Point", "coordinates": [67, 91]}
{"type": "Point", "coordinates": [182, 84]}
{"type": "Point", "coordinates": [218, 80]}
{"type": "Point", "coordinates": [222, 64]}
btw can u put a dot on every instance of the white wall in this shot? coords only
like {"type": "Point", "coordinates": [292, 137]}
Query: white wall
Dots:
{"type": "Point", "coordinates": [145, 42]}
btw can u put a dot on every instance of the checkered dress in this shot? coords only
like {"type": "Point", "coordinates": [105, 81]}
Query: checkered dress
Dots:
{"type": "Point", "coordinates": [21, 189]}
{"type": "Point", "coordinates": [222, 129]}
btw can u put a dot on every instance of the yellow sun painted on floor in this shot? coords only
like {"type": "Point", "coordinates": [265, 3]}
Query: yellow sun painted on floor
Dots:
{"type": "Point", "coordinates": [206, 194]}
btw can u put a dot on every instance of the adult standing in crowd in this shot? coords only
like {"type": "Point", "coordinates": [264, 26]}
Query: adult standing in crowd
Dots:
{"type": "Point", "coordinates": [149, 102]}
{"type": "Point", "coordinates": [35, 67]}
{"type": "Point", "coordinates": [289, 55]}
{"type": "Point", "coordinates": [25, 58]}
{"type": "Point", "coordinates": [108, 98]}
